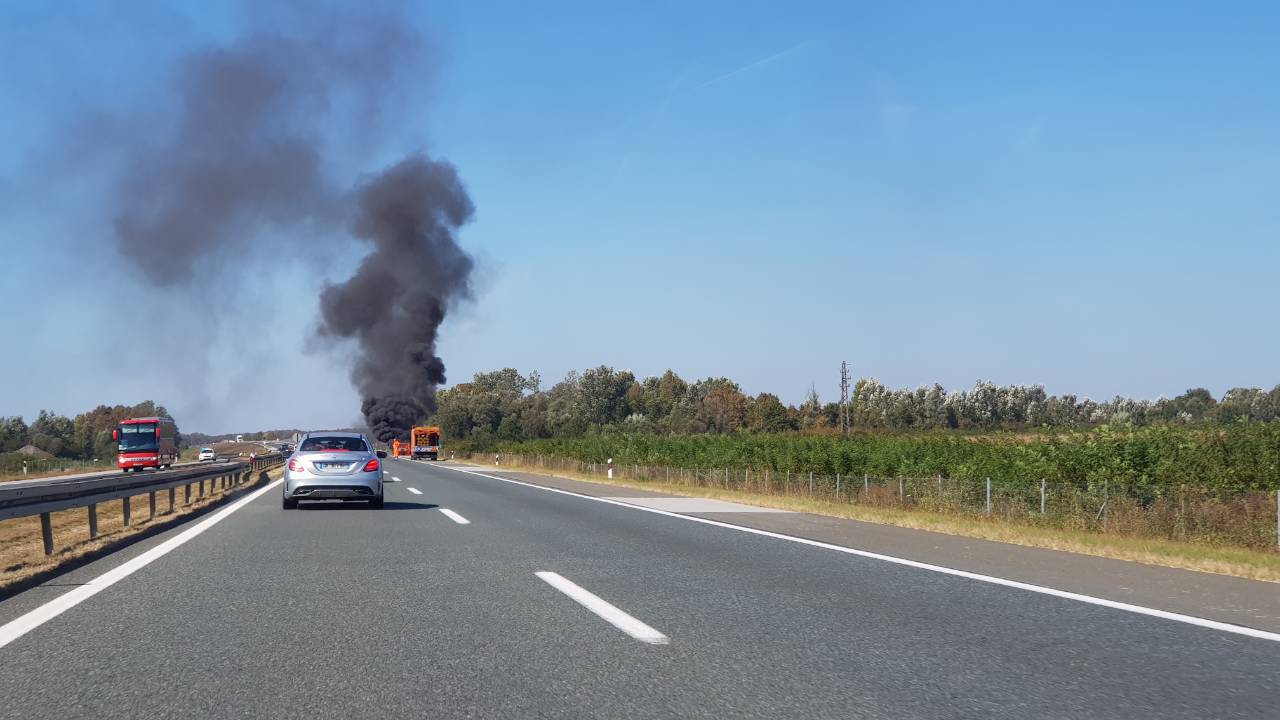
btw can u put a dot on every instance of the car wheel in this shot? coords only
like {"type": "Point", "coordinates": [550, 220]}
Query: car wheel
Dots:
{"type": "Point", "coordinates": [288, 504]}
{"type": "Point", "coordinates": [376, 503]}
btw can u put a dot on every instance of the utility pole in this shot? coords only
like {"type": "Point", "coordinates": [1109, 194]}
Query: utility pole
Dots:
{"type": "Point", "coordinates": [844, 397]}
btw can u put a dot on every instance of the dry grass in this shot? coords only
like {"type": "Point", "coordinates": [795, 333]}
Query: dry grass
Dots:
{"type": "Point", "coordinates": [1238, 562]}
{"type": "Point", "coordinates": [22, 553]}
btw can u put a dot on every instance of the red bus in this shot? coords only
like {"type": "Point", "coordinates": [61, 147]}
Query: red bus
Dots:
{"type": "Point", "coordinates": [146, 442]}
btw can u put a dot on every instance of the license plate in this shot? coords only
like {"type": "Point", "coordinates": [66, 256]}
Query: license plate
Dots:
{"type": "Point", "coordinates": [331, 466]}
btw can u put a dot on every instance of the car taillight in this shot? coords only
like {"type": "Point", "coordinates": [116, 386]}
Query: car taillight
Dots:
{"type": "Point", "coordinates": [294, 465]}
{"type": "Point", "coordinates": [371, 465]}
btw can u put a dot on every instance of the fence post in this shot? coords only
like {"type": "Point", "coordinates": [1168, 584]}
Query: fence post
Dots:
{"type": "Point", "coordinates": [1106, 497]}
{"type": "Point", "coordinates": [46, 532]}
{"type": "Point", "coordinates": [988, 496]}
{"type": "Point", "coordinates": [1041, 496]}
{"type": "Point", "coordinates": [93, 521]}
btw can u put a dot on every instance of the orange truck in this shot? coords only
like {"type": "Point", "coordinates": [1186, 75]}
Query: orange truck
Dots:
{"type": "Point", "coordinates": [399, 449]}
{"type": "Point", "coordinates": [426, 443]}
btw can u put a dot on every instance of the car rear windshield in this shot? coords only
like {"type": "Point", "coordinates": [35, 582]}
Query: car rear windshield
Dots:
{"type": "Point", "coordinates": [333, 444]}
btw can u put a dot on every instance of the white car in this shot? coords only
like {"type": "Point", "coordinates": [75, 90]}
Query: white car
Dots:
{"type": "Point", "coordinates": [207, 454]}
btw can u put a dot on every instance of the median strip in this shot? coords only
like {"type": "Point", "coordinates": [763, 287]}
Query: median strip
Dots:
{"type": "Point", "coordinates": [609, 613]}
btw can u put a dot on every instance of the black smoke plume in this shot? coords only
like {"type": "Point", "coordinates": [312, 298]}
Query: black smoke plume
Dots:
{"type": "Point", "coordinates": [236, 158]}
{"type": "Point", "coordinates": [393, 305]}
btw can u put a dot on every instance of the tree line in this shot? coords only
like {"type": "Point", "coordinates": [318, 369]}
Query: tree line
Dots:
{"type": "Point", "coordinates": [505, 405]}
{"type": "Point", "coordinates": [87, 436]}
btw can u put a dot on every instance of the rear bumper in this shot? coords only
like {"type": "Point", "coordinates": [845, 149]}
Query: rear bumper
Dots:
{"type": "Point", "coordinates": [349, 487]}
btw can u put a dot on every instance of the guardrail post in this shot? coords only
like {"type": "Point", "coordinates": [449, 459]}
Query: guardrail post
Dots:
{"type": "Point", "coordinates": [127, 511]}
{"type": "Point", "coordinates": [171, 497]}
{"type": "Point", "coordinates": [46, 532]}
{"type": "Point", "coordinates": [93, 521]}
{"type": "Point", "coordinates": [201, 487]}
{"type": "Point", "coordinates": [151, 502]}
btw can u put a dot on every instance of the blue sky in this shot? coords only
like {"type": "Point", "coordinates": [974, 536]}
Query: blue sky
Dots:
{"type": "Point", "coordinates": [1074, 194]}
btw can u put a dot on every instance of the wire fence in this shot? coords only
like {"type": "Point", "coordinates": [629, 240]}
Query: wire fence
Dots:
{"type": "Point", "coordinates": [12, 464]}
{"type": "Point", "coordinates": [1185, 513]}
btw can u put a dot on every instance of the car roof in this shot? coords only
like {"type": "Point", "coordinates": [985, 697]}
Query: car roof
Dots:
{"type": "Point", "coordinates": [334, 433]}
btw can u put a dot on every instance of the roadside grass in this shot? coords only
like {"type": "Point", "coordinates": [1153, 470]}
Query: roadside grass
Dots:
{"type": "Point", "coordinates": [1238, 562]}
{"type": "Point", "coordinates": [22, 552]}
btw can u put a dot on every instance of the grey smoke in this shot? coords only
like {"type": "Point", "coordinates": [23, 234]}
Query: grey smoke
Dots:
{"type": "Point", "coordinates": [394, 303]}
{"type": "Point", "coordinates": [246, 156]}
{"type": "Point", "coordinates": [245, 166]}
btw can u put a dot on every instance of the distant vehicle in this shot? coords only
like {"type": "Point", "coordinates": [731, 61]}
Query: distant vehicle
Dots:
{"type": "Point", "coordinates": [207, 454]}
{"type": "Point", "coordinates": [146, 442]}
{"type": "Point", "coordinates": [426, 443]}
{"type": "Point", "coordinates": [334, 466]}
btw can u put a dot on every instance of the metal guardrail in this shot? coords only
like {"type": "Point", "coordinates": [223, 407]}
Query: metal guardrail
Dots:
{"type": "Point", "coordinates": [25, 498]}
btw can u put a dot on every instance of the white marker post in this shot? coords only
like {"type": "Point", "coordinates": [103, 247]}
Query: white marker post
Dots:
{"type": "Point", "coordinates": [610, 468]}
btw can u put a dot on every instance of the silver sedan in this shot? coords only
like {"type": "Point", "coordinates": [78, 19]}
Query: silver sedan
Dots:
{"type": "Point", "coordinates": [334, 466]}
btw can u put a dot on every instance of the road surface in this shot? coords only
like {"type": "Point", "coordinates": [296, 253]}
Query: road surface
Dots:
{"type": "Point", "coordinates": [524, 602]}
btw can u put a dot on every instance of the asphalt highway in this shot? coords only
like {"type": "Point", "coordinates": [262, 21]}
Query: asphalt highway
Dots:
{"type": "Point", "coordinates": [470, 596]}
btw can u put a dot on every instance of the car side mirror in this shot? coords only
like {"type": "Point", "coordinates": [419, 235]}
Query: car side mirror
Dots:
{"type": "Point", "coordinates": [382, 453]}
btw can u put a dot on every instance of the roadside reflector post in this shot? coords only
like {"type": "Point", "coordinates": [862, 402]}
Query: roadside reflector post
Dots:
{"type": "Point", "coordinates": [1106, 497]}
{"type": "Point", "coordinates": [866, 483]}
{"type": "Point", "coordinates": [988, 496]}
{"type": "Point", "coordinates": [902, 498]}
{"type": "Point", "coordinates": [837, 486]}
{"type": "Point", "coordinates": [810, 482]}
{"type": "Point", "coordinates": [1041, 496]}
{"type": "Point", "coordinates": [46, 532]}
{"type": "Point", "coordinates": [610, 468]}
{"type": "Point", "coordinates": [93, 521]}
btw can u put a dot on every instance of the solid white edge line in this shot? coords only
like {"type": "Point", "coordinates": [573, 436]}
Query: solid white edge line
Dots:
{"type": "Point", "coordinates": [608, 612]}
{"type": "Point", "coordinates": [24, 624]}
{"type": "Point", "coordinates": [454, 516]}
{"type": "Point", "coordinates": [1043, 590]}
{"type": "Point", "coordinates": [415, 491]}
